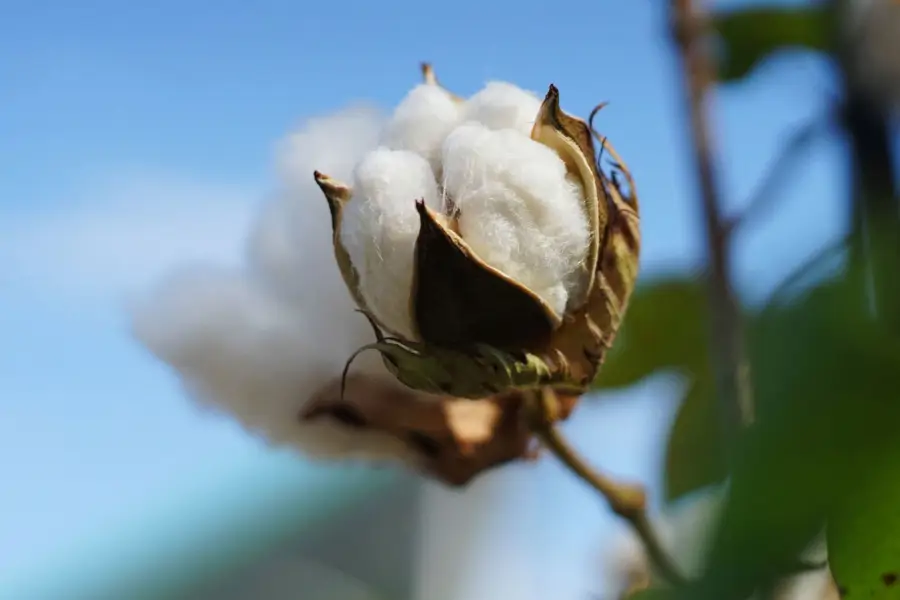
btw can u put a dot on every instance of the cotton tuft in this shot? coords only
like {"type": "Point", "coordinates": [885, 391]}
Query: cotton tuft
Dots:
{"type": "Point", "coordinates": [519, 209]}
{"type": "Point", "coordinates": [256, 342]}
{"type": "Point", "coordinates": [288, 243]}
{"type": "Point", "coordinates": [259, 341]}
{"type": "Point", "coordinates": [421, 122]}
{"type": "Point", "coordinates": [501, 105]}
{"type": "Point", "coordinates": [379, 230]}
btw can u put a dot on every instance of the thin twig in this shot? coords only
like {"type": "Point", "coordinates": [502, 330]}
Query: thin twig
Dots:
{"type": "Point", "coordinates": [627, 501]}
{"type": "Point", "coordinates": [876, 217]}
{"type": "Point", "coordinates": [727, 350]}
{"type": "Point", "coordinates": [765, 195]}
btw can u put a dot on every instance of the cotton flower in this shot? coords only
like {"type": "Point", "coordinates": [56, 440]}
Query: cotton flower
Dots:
{"type": "Point", "coordinates": [256, 343]}
{"type": "Point", "coordinates": [500, 285]}
{"type": "Point", "coordinates": [484, 248]}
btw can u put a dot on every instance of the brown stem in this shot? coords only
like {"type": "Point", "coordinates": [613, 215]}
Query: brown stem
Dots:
{"type": "Point", "coordinates": [626, 500]}
{"type": "Point", "coordinates": [875, 214]}
{"type": "Point", "coordinates": [728, 355]}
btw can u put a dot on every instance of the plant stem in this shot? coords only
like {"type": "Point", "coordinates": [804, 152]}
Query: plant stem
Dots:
{"type": "Point", "coordinates": [874, 207]}
{"type": "Point", "coordinates": [626, 500]}
{"type": "Point", "coordinates": [727, 349]}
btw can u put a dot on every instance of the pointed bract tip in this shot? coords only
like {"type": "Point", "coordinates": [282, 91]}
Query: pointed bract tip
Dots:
{"type": "Point", "coordinates": [332, 188]}
{"type": "Point", "coordinates": [427, 219]}
{"type": "Point", "coordinates": [428, 73]}
{"type": "Point", "coordinates": [551, 100]}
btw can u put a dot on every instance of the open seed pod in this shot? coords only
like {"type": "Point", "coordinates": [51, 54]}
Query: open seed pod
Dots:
{"type": "Point", "coordinates": [478, 331]}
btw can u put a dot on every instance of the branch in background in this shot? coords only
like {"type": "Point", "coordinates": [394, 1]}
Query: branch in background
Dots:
{"type": "Point", "coordinates": [875, 214]}
{"type": "Point", "coordinates": [766, 194]}
{"type": "Point", "coordinates": [876, 218]}
{"type": "Point", "coordinates": [728, 353]}
{"type": "Point", "coordinates": [627, 501]}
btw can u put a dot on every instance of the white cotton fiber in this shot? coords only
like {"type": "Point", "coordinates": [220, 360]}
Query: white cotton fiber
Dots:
{"type": "Point", "coordinates": [421, 122]}
{"type": "Point", "coordinates": [291, 242]}
{"type": "Point", "coordinates": [239, 351]}
{"type": "Point", "coordinates": [501, 105]}
{"type": "Point", "coordinates": [257, 343]}
{"type": "Point", "coordinates": [380, 227]}
{"type": "Point", "coordinates": [519, 210]}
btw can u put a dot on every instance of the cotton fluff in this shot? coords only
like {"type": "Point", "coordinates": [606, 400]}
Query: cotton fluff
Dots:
{"type": "Point", "coordinates": [379, 229]}
{"type": "Point", "coordinates": [256, 343]}
{"type": "Point", "coordinates": [291, 240]}
{"type": "Point", "coordinates": [519, 209]}
{"type": "Point", "coordinates": [421, 122]}
{"type": "Point", "coordinates": [501, 105]}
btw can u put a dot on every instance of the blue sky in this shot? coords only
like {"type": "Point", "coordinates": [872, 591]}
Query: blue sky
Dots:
{"type": "Point", "coordinates": [137, 135]}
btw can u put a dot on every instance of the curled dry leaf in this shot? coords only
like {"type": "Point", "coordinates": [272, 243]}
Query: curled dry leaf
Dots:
{"type": "Point", "coordinates": [450, 439]}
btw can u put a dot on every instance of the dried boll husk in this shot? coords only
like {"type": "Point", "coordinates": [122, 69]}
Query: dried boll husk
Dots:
{"type": "Point", "coordinates": [479, 331]}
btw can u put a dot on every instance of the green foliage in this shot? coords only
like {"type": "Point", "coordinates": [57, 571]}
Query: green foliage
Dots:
{"type": "Point", "coordinates": [750, 36]}
{"type": "Point", "coordinates": [695, 454]}
{"type": "Point", "coordinates": [864, 533]}
{"type": "Point", "coordinates": [666, 329]}
{"type": "Point", "coordinates": [826, 375]}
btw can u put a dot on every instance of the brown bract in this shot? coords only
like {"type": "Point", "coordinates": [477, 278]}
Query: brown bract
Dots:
{"type": "Point", "coordinates": [450, 439]}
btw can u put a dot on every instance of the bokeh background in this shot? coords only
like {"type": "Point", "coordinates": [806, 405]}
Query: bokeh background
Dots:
{"type": "Point", "coordinates": [135, 136]}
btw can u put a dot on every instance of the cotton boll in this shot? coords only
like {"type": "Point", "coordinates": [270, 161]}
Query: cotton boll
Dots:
{"type": "Point", "coordinates": [519, 209]}
{"type": "Point", "coordinates": [379, 229]}
{"type": "Point", "coordinates": [291, 244]}
{"type": "Point", "coordinates": [240, 351]}
{"type": "Point", "coordinates": [501, 105]}
{"type": "Point", "coordinates": [421, 122]}
{"type": "Point", "coordinates": [259, 343]}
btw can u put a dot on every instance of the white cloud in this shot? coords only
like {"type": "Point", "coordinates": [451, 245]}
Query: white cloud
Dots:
{"type": "Point", "coordinates": [121, 233]}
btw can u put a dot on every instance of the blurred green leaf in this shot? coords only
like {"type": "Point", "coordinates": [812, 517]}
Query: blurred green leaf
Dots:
{"type": "Point", "coordinates": [864, 532]}
{"type": "Point", "coordinates": [695, 454]}
{"type": "Point", "coordinates": [828, 379]}
{"type": "Point", "coordinates": [752, 35]}
{"type": "Point", "coordinates": [652, 593]}
{"type": "Point", "coordinates": [664, 328]}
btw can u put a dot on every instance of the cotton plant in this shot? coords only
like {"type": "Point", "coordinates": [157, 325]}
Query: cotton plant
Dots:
{"type": "Point", "coordinates": [477, 265]}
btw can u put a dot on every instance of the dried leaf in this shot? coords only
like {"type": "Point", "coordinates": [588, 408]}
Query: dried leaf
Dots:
{"type": "Point", "coordinates": [571, 138]}
{"type": "Point", "coordinates": [338, 194]}
{"type": "Point", "coordinates": [587, 334]}
{"type": "Point", "coordinates": [450, 439]}
{"type": "Point", "coordinates": [459, 300]}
